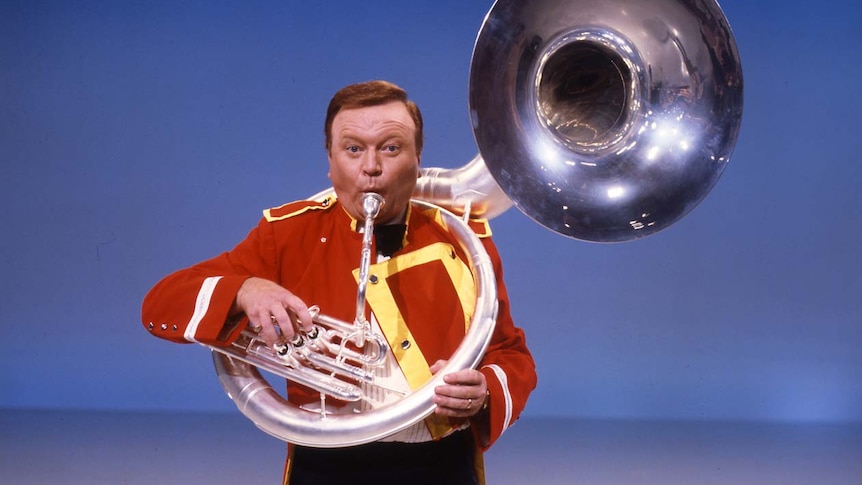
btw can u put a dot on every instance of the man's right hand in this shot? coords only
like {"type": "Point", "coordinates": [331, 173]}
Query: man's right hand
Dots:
{"type": "Point", "coordinates": [272, 308]}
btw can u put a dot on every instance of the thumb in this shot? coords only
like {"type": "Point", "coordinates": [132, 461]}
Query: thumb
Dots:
{"type": "Point", "coordinates": [435, 368]}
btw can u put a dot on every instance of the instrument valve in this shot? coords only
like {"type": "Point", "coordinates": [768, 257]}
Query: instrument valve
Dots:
{"type": "Point", "coordinates": [282, 349]}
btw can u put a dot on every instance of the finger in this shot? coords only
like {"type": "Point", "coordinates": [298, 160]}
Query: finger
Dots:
{"type": "Point", "coordinates": [298, 312]}
{"type": "Point", "coordinates": [435, 368]}
{"type": "Point", "coordinates": [455, 403]}
{"type": "Point", "coordinates": [454, 396]}
{"type": "Point", "coordinates": [281, 324]}
{"type": "Point", "coordinates": [267, 331]}
{"type": "Point", "coordinates": [455, 391]}
{"type": "Point", "coordinates": [465, 377]}
{"type": "Point", "coordinates": [293, 322]}
{"type": "Point", "coordinates": [455, 407]}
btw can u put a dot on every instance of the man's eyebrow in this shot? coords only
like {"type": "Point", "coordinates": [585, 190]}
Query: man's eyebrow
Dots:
{"type": "Point", "coordinates": [343, 137]}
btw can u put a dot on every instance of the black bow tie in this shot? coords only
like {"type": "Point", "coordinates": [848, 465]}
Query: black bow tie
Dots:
{"type": "Point", "coordinates": [389, 238]}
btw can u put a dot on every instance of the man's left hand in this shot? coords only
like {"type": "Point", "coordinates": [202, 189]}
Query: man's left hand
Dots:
{"type": "Point", "coordinates": [463, 394]}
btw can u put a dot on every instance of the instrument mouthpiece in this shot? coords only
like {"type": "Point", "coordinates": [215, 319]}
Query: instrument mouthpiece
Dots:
{"type": "Point", "coordinates": [371, 204]}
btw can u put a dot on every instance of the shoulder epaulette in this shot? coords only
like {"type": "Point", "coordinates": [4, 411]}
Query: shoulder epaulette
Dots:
{"type": "Point", "coordinates": [480, 227]}
{"type": "Point", "coordinates": [292, 209]}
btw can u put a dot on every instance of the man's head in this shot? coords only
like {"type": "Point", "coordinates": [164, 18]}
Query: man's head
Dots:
{"type": "Point", "coordinates": [374, 141]}
{"type": "Point", "coordinates": [371, 93]}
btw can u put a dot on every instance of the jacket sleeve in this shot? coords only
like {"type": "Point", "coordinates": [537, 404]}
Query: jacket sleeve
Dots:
{"type": "Point", "coordinates": [508, 367]}
{"type": "Point", "coordinates": [194, 304]}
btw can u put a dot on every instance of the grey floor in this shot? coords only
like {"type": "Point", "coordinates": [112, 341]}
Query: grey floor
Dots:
{"type": "Point", "coordinates": [161, 448]}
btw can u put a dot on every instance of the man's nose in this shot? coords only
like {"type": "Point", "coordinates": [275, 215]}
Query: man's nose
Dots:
{"type": "Point", "coordinates": [371, 164]}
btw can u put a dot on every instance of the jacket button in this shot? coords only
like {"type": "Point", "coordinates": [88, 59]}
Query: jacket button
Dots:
{"type": "Point", "coordinates": [150, 326]}
{"type": "Point", "coordinates": [373, 279]}
{"type": "Point", "coordinates": [405, 344]}
{"type": "Point", "coordinates": [164, 326]}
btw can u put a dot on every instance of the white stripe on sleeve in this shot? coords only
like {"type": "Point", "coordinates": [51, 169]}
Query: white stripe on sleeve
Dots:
{"type": "Point", "coordinates": [202, 305]}
{"type": "Point", "coordinates": [504, 382]}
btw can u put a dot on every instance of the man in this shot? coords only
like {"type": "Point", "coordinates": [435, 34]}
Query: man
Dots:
{"type": "Point", "coordinates": [306, 252]}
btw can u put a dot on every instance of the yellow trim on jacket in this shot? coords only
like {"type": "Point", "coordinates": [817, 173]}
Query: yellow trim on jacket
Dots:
{"type": "Point", "coordinates": [409, 356]}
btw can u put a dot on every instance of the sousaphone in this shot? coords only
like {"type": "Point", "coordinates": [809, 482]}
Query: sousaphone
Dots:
{"type": "Point", "coordinates": [602, 120]}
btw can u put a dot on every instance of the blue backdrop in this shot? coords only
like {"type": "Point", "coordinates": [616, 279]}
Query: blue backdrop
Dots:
{"type": "Point", "coordinates": [139, 137]}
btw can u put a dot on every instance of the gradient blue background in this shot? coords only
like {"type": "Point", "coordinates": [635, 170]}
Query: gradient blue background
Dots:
{"type": "Point", "coordinates": [139, 137]}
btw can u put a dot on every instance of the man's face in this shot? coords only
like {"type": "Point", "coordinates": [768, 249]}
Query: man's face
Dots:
{"type": "Point", "coordinates": [374, 150]}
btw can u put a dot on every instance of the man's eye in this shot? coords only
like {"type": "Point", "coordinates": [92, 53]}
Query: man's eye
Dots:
{"type": "Point", "coordinates": [353, 149]}
{"type": "Point", "coordinates": [391, 148]}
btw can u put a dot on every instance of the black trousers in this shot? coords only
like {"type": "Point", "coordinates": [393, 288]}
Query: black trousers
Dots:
{"type": "Point", "coordinates": [448, 461]}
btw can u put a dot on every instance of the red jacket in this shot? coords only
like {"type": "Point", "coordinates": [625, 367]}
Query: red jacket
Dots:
{"type": "Point", "coordinates": [313, 250]}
